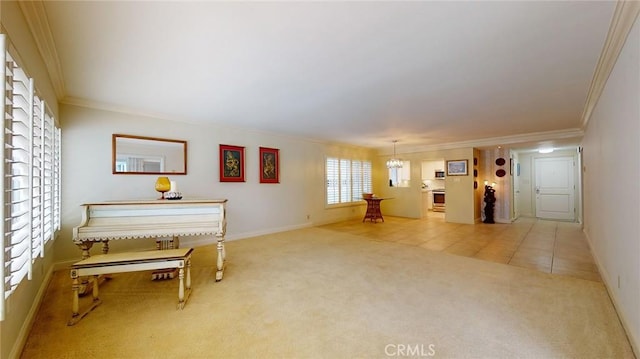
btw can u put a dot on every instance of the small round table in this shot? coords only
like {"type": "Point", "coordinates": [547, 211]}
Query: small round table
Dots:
{"type": "Point", "coordinates": [373, 209]}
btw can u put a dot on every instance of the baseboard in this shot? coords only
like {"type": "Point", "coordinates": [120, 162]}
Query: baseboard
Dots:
{"type": "Point", "coordinates": [21, 340]}
{"type": "Point", "coordinates": [633, 339]}
{"type": "Point", "coordinates": [199, 241]}
{"type": "Point", "coordinates": [269, 231]}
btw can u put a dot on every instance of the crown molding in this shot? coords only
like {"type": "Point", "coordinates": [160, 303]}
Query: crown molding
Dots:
{"type": "Point", "coordinates": [36, 17]}
{"type": "Point", "coordinates": [624, 17]}
{"type": "Point", "coordinates": [102, 106]}
{"type": "Point", "coordinates": [573, 133]}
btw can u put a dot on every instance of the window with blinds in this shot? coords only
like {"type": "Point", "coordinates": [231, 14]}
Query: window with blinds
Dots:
{"type": "Point", "coordinates": [347, 179]}
{"type": "Point", "coordinates": [31, 176]}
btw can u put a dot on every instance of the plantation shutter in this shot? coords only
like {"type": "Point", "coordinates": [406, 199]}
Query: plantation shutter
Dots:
{"type": "Point", "coordinates": [345, 181]}
{"type": "Point", "coordinates": [333, 181]}
{"type": "Point", "coordinates": [30, 210]}
{"type": "Point", "coordinates": [356, 183]}
{"type": "Point", "coordinates": [37, 246]}
{"type": "Point", "coordinates": [367, 186]}
{"type": "Point", "coordinates": [5, 112]}
{"type": "Point", "coordinates": [47, 169]}
{"type": "Point", "coordinates": [17, 164]}
{"type": "Point", "coordinates": [57, 174]}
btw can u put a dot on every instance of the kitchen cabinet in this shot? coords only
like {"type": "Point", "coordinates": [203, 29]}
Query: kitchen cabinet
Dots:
{"type": "Point", "coordinates": [429, 169]}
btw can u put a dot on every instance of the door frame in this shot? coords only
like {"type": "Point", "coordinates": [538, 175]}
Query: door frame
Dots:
{"type": "Point", "coordinates": [526, 159]}
{"type": "Point", "coordinates": [577, 178]}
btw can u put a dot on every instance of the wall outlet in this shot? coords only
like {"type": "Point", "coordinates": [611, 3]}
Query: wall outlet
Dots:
{"type": "Point", "coordinates": [308, 216]}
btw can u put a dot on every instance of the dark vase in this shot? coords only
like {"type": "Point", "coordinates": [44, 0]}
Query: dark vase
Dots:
{"type": "Point", "coordinates": [490, 201]}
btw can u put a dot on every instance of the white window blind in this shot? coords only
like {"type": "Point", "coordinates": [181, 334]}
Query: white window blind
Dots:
{"type": "Point", "coordinates": [30, 208]}
{"type": "Point", "coordinates": [367, 186]}
{"type": "Point", "coordinates": [347, 180]}
{"type": "Point", "coordinates": [57, 175]}
{"type": "Point", "coordinates": [36, 178]}
{"type": "Point", "coordinates": [17, 162]}
{"type": "Point", "coordinates": [356, 175]}
{"type": "Point", "coordinates": [333, 181]}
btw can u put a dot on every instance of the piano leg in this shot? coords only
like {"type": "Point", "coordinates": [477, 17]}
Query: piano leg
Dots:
{"type": "Point", "coordinates": [162, 244]}
{"type": "Point", "coordinates": [105, 247]}
{"type": "Point", "coordinates": [85, 247]}
{"type": "Point", "coordinates": [173, 243]}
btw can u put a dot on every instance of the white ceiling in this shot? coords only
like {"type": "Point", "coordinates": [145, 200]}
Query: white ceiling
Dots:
{"type": "Point", "coordinates": [364, 73]}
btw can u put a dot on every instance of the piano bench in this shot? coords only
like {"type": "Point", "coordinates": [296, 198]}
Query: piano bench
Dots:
{"type": "Point", "coordinates": [130, 262]}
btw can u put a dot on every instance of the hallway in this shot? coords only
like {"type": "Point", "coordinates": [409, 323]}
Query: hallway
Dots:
{"type": "Point", "coordinates": [547, 246]}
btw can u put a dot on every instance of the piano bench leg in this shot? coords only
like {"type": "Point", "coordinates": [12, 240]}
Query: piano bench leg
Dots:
{"type": "Point", "coordinates": [184, 289]}
{"type": "Point", "coordinates": [76, 316]}
{"type": "Point", "coordinates": [220, 260]}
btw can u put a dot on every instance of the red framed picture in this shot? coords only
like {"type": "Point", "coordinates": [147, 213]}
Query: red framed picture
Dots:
{"type": "Point", "coordinates": [269, 165]}
{"type": "Point", "coordinates": [231, 163]}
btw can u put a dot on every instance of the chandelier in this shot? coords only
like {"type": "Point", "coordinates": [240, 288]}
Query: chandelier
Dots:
{"type": "Point", "coordinates": [394, 162]}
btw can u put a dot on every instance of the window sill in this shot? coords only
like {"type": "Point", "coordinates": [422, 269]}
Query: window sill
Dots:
{"type": "Point", "coordinates": [347, 204]}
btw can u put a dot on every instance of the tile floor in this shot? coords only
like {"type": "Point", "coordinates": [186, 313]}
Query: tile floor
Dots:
{"type": "Point", "coordinates": [548, 246]}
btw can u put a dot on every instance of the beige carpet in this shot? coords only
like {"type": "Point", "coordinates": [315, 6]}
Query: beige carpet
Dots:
{"type": "Point", "coordinates": [318, 293]}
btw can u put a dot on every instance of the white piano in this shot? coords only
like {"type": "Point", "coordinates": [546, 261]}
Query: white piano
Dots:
{"type": "Point", "coordinates": [115, 220]}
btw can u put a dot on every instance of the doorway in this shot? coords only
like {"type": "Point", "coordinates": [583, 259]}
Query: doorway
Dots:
{"type": "Point", "coordinates": [555, 188]}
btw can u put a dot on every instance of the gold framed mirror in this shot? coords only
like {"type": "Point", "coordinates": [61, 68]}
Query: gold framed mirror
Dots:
{"type": "Point", "coordinates": [148, 155]}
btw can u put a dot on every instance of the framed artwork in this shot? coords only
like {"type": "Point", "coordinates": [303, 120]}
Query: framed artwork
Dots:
{"type": "Point", "coordinates": [269, 165]}
{"type": "Point", "coordinates": [457, 168]}
{"type": "Point", "coordinates": [231, 163]}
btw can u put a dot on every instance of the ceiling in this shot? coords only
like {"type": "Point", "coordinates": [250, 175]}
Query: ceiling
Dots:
{"type": "Point", "coordinates": [362, 73]}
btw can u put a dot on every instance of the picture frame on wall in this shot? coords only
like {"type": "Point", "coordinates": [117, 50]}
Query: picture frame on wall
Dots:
{"type": "Point", "coordinates": [458, 168]}
{"type": "Point", "coordinates": [269, 165]}
{"type": "Point", "coordinates": [231, 163]}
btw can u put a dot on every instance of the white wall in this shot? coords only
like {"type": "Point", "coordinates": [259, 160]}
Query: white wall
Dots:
{"type": "Point", "coordinates": [460, 206]}
{"type": "Point", "coordinates": [611, 170]}
{"type": "Point", "coordinates": [526, 206]}
{"type": "Point", "coordinates": [253, 208]}
{"type": "Point", "coordinates": [478, 179]}
{"type": "Point", "coordinates": [515, 185]}
{"type": "Point", "coordinates": [502, 208]}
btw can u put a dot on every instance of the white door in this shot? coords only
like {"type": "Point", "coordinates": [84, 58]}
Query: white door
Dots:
{"type": "Point", "coordinates": [555, 189]}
